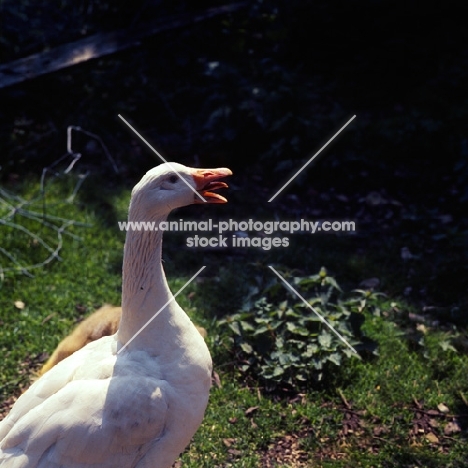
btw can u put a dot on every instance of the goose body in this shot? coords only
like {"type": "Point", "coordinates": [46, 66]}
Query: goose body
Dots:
{"type": "Point", "coordinates": [102, 322]}
{"type": "Point", "coordinates": [133, 399]}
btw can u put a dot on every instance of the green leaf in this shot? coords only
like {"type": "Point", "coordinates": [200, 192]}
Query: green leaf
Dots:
{"type": "Point", "coordinates": [260, 330]}
{"type": "Point", "coordinates": [302, 331]}
{"type": "Point", "coordinates": [297, 330]}
{"type": "Point", "coordinates": [325, 339]}
{"type": "Point", "coordinates": [278, 371]}
{"type": "Point", "coordinates": [311, 350]}
{"type": "Point", "coordinates": [317, 364]}
{"type": "Point", "coordinates": [246, 348]}
{"type": "Point", "coordinates": [291, 313]}
{"type": "Point", "coordinates": [262, 320]}
{"type": "Point", "coordinates": [246, 326]}
{"type": "Point", "coordinates": [445, 345]}
{"type": "Point", "coordinates": [234, 326]}
{"type": "Point", "coordinates": [332, 282]}
{"type": "Point", "coordinates": [335, 358]}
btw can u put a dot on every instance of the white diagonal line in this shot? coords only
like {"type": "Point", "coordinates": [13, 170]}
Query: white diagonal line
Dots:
{"type": "Point", "coordinates": [311, 159]}
{"type": "Point", "coordinates": [161, 309]}
{"type": "Point", "coordinates": [314, 311]}
{"type": "Point", "coordinates": [162, 157]}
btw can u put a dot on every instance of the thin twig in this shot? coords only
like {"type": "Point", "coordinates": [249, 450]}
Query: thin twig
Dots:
{"type": "Point", "coordinates": [343, 398]}
{"type": "Point", "coordinates": [28, 232]}
{"type": "Point", "coordinates": [18, 208]}
{"type": "Point", "coordinates": [13, 259]}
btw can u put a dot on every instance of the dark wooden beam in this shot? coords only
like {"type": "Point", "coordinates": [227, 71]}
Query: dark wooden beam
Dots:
{"type": "Point", "coordinates": [99, 45]}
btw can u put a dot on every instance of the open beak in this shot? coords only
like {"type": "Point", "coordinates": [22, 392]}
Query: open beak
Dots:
{"type": "Point", "coordinates": [207, 180]}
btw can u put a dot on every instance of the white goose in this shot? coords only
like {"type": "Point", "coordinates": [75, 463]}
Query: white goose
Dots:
{"type": "Point", "coordinates": [139, 407]}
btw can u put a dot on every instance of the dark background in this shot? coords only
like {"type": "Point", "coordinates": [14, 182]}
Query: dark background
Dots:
{"type": "Point", "coordinates": [260, 90]}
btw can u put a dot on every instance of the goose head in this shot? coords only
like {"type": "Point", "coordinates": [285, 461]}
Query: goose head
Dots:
{"type": "Point", "coordinates": [172, 185]}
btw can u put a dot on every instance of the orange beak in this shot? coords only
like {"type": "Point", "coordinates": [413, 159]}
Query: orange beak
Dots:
{"type": "Point", "coordinates": [207, 180]}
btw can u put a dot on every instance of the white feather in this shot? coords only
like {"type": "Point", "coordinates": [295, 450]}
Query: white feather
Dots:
{"type": "Point", "coordinates": [135, 408]}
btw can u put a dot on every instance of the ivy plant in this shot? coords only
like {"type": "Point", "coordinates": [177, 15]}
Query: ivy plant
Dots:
{"type": "Point", "coordinates": [285, 343]}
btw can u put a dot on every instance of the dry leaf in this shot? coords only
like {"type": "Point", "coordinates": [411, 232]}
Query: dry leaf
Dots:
{"type": "Point", "coordinates": [442, 408]}
{"type": "Point", "coordinates": [48, 318]}
{"type": "Point", "coordinates": [251, 410]}
{"type": "Point", "coordinates": [433, 422]}
{"type": "Point", "coordinates": [432, 438]}
{"type": "Point", "coordinates": [234, 452]}
{"type": "Point", "coordinates": [452, 428]}
{"type": "Point", "coordinates": [228, 442]}
{"type": "Point", "coordinates": [379, 430]}
{"type": "Point", "coordinates": [421, 327]}
{"type": "Point", "coordinates": [216, 379]}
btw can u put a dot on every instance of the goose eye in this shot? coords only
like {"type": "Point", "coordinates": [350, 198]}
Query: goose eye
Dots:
{"type": "Point", "coordinates": [173, 179]}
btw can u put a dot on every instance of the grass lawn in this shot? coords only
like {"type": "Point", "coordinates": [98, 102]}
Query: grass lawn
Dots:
{"type": "Point", "coordinates": [406, 407]}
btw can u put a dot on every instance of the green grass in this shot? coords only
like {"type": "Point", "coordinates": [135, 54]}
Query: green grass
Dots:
{"type": "Point", "coordinates": [382, 392]}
